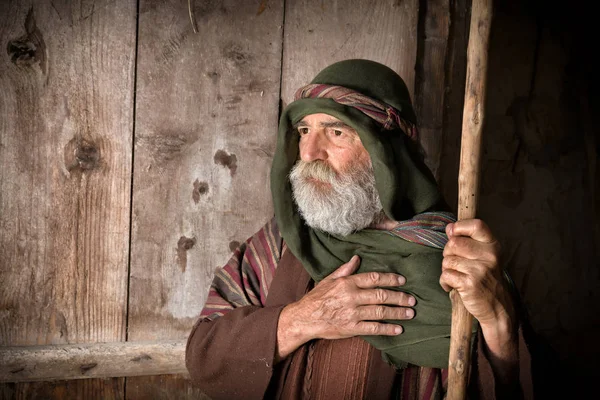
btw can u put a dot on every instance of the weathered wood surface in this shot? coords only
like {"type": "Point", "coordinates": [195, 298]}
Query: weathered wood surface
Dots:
{"type": "Point", "coordinates": [468, 183]}
{"type": "Point", "coordinates": [455, 73]}
{"type": "Point", "coordinates": [430, 80]}
{"type": "Point", "coordinates": [105, 389]}
{"type": "Point", "coordinates": [163, 387]}
{"type": "Point", "coordinates": [319, 33]}
{"type": "Point", "coordinates": [66, 78]}
{"type": "Point", "coordinates": [206, 123]}
{"type": "Point", "coordinates": [95, 360]}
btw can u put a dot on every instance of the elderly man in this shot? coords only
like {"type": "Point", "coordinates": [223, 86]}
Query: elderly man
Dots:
{"type": "Point", "coordinates": [343, 294]}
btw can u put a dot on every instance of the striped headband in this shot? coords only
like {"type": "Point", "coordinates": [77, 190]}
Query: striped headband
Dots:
{"type": "Point", "coordinates": [381, 112]}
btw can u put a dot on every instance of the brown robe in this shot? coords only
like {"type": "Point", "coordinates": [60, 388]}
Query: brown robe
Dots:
{"type": "Point", "coordinates": [232, 358]}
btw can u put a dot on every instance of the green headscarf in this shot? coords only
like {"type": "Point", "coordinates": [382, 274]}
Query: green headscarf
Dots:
{"type": "Point", "coordinates": [406, 188]}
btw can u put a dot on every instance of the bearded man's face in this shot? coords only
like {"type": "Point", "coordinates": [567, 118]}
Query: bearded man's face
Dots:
{"type": "Point", "coordinates": [333, 182]}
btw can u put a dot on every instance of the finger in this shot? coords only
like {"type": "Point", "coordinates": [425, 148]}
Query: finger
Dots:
{"type": "Point", "coordinates": [379, 312]}
{"type": "Point", "coordinates": [377, 328]}
{"type": "Point", "coordinates": [385, 296]}
{"type": "Point", "coordinates": [452, 279]}
{"type": "Point", "coordinates": [466, 247]}
{"type": "Point", "coordinates": [368, 280]}
{"type": "Point", "coordinates": [473, 228]}
{"type": "Point", "coordinates": [345, 269]}
{"type": "Point", "coordinates": [466, 266]}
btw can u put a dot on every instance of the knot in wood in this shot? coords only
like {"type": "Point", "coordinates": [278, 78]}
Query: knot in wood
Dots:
{"type": "Point", "coordinates": [87, 155]}
{"type": "Point", "coordinates": [23, 53]}
{"type": "Point", "coordinates": [81, 154]}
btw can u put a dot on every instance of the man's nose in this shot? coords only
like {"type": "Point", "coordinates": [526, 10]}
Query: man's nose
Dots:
{"type": "Point", "coordinates": [313, 147]}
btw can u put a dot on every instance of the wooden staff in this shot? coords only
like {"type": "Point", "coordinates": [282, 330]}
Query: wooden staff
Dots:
{"type": "Point", "coordinates": [468, 184]}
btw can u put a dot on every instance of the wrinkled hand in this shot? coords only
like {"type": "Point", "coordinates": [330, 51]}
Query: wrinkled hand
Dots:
{"type": "Point", "coordinates": [344, 305]}
{"type": "Point", "coordinates": [471, 266]}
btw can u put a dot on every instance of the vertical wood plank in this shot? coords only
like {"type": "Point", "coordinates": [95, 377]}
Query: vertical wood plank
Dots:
{"type": "Point", "coordinates": [66, 78]}
{"type": "Point", "coordinates": [163, 387]}
{"type": "Point", "coordinates": [206, 123]}
{"type": "Point", "coordinates": [454, 97]}
{"type": "Point", "coordinates": [104, 389]}
{"type": "Point", "coordinates": [430, 85]}
{"type": "Point", "coordinates": [319, 33]}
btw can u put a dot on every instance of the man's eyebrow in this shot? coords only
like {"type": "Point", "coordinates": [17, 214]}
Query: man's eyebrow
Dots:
{"type": "Point", "coordinates": [299, 124]}
{"type": "Point", "coordinates": [326, 124]}
{"type": "Point", "coordinates": [335, 124]}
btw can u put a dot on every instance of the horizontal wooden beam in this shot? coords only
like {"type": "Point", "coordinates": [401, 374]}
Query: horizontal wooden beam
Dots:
{"type": "Point", "coordinates": [98, 360]}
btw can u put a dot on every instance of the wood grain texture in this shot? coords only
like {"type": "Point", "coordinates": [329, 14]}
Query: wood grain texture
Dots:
{"type": "Point", "coordinates": [468, 183]}
{"type": "Point", "coordinates": [206, 123]}
{"type": "Point", "coordinates": [66, 78]}
{"type": "Point", "coordinates": [430, 91]}
{"type": "Point", "coordinates": [94, 360]}
{"type": "Point", "coordinates": [109, 389]}
{"type": "Point", "coordinates": [319, 33]}
{"type": "Point", "coordinates": [163, 387]}
{"type": "Point", "coordinates": [456, 72]}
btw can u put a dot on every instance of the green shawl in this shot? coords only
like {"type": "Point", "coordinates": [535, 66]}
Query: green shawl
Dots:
{"type": "Point", "coordinates": [406, 187]}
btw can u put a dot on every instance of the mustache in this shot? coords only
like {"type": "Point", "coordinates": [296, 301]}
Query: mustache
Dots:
{"type": "Point", "coordinates": [319, 170]}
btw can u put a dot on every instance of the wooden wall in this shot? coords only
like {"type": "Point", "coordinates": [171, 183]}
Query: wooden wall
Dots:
{"type": "Point", "coordinates": [136, 140]}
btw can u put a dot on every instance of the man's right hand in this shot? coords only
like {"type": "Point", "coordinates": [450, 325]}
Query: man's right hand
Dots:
{"type": "Point", "coordinates": [344, 305]}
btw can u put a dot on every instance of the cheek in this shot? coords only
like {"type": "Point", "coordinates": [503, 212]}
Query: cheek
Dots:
{"type": "Point", "coordinates": [362, 155]}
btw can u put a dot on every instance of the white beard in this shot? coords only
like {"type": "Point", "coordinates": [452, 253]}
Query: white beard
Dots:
{"type": "Point", "coordinates": [336, 204]}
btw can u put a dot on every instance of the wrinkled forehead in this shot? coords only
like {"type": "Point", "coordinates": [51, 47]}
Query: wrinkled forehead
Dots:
{"type": "Point", "coordinates": [322, 120]}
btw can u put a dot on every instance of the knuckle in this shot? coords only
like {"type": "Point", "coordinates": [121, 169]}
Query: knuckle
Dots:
{"type": "Point", "coordinates": [451, 243]}
{"type": "Point", "coordinates": [342, 283]}
{"type": "Point", "coordinates": [449, 262]}
{"type": "Point", "coordinates": [470, 282]}
{"type": "Point", "coordinates": [402, 297]}
{"type": "Point", "coordinates": [379, 312]}
{"type": "Point", "coordinates": [373, 277]}
{"type": "Point", "coordinates": [479, 225]}
{"type": "Point", "coordinates": [381, 295]}
{"type": "Point", "coordinates": [373, 328]}
{"type": "Point", "coordinates": [493, 259]}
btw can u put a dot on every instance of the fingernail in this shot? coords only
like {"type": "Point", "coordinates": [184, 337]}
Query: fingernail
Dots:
{"type": "Point", "coordinates": [398, 330]}
{"type": "Point", "coordinates": [401, 280]}
{"type": "Point", "coordinates": [410, 313]}
{"type": "Point", "coordinates": [412, 301]}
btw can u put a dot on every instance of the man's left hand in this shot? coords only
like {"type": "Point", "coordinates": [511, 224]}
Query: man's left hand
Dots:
{"type": "Point", "coordinates": [471, 266]}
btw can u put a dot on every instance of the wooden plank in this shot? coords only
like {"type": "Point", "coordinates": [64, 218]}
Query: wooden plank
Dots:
{"type": "Point", "coordinates": [85, 361]}
{"type": "Point", "coordinates": [430, 84]}
{"type": "Point", "coordinates": [319, 33]}
{"type": "Point", "coordinates": [205, 131]}
{"type": "Point", "coordinates": [456, 72]}
{"type": "Point", "coordinates": [105, 389]}
{"type": "Point", "coordinates": [206, 123]}
{"type": "Point", "coordinates": [551, 127]}
{"type": "Point", "coordinates": [65, 169]}
{"type": "Point", "coordinates": [163, 387]}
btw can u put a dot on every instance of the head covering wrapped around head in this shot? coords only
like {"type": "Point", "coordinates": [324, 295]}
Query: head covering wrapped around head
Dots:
{"type": "Point", "coordinates": [406, 187]}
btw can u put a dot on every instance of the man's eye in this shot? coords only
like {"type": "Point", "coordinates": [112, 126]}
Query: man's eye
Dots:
{"type": "Point", "coordinates": [337, 132]}
{"type": "Point", "coordinates": [302, 131]}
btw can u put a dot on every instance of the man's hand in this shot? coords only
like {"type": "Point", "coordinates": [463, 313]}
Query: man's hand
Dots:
{"type": "Point", "coordinates": [471, 266]}
{"type": "Point", "coordinates": [344, 305]}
